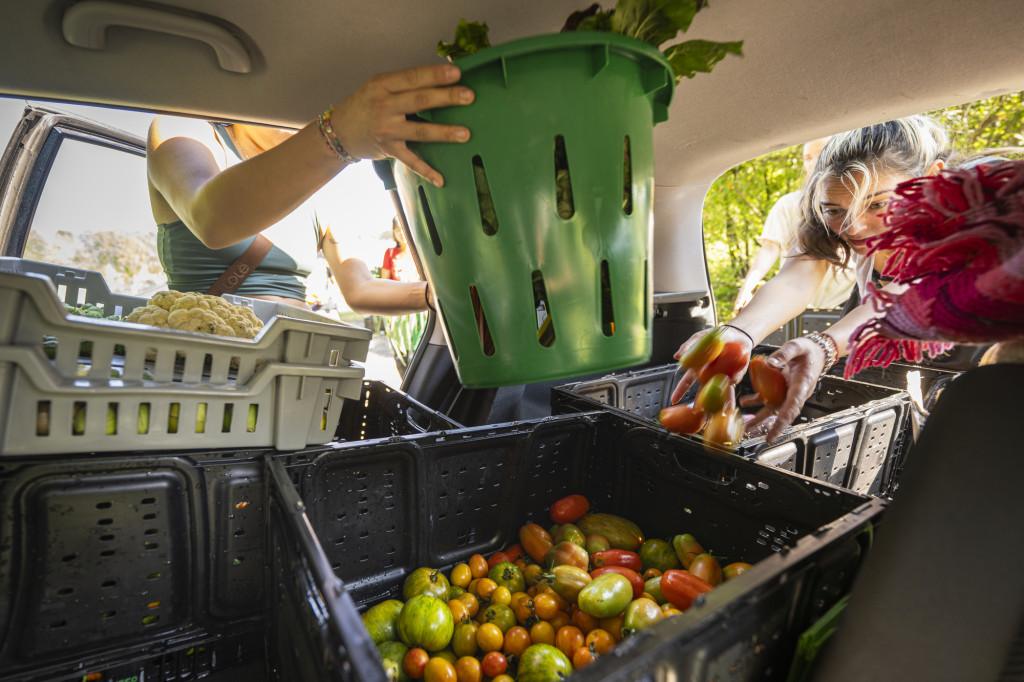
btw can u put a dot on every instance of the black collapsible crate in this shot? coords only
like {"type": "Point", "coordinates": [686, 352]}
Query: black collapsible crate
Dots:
{"type": "Point", "coordinates": [849, 433]}
{"type": "Point", "coordinates": [150, 565]}
{"type": "Point", "coordinates": [347, 524]}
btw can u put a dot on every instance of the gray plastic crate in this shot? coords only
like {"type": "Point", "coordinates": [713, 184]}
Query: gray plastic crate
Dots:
{"type": "Point", "coordinates": [62, 376]}
{"type": "Point", "coordinates": [849, 433]}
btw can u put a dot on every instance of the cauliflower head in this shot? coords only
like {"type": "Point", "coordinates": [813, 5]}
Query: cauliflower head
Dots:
{"type": "Point", "coordinates": [196, 312]}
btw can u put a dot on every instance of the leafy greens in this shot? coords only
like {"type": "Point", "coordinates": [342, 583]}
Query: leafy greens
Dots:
{"type": "Point", "coordinates": [651, 21]}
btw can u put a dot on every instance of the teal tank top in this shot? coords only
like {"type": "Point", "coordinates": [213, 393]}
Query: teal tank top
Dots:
{"type": "Point", "coordinates": [192, 266]}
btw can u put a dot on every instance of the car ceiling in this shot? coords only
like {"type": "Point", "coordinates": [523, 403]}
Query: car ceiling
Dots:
{"type": "Point", "coordinates": [811, 67]}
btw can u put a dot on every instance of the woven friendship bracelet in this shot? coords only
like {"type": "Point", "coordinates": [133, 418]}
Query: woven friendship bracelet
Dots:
{"type": "Point", "coordinates": [323, 122]}
{"type": "Point", "coordinates": [827, 344]}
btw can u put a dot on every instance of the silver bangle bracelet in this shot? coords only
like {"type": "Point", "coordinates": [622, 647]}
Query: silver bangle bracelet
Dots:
{"type": "Point", "coordinates": [828, 345]}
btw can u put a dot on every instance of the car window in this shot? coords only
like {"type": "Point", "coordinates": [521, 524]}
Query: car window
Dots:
{"type": "Point", "coordinates": [94, 214]}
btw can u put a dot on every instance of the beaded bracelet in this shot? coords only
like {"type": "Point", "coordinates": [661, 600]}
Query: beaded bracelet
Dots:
{"type": "Point", "coordinates": [827, 344]}
{"type": "Point", "coordinates": [323, 122]}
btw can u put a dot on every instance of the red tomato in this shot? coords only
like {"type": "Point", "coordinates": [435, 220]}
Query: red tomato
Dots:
{"type": "Point", "coordinates": [497, 558]}
{"type": "Point", "coordinates": [617, 557]}
{"type": "Point", "coordinates": [731, 360]}
{"type": "Point", "coordinates": [634, 578]}
{"type": "Point", "coordinates": [569, 509]}
{"type": "Point", "coordinates": [493, 663]}
{"type": "Point", "coordinates": [682, 587]}
{"type": "Point", "coordinates": [514, 552]}
{"type": "Point", "coordinates": [768, 381]}
{"type": "Point", "coordinates": [415, 662]}
{"type": "Point", "coordinates": [724, 429]}
{"type": "Point", "coordinates": [714, 394]}
{"type": "Point", "coordinates": [682, 418]}
{"type": "Point", "coordinates": [704, 350]}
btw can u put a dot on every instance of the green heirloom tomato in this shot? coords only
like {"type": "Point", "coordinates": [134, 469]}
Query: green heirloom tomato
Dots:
{"type": "Point", "coordinates": [543, 663]}
{"type": "Point", "coordinates": [606, 595]}
{"type": "Point", "coordinates": [571, 533]}
{"type": "Point", "coordinates": [394, 652]}
{"type": "Point", "coordinates": [656, 553]}
{"type": "Point", "coordinates": [381, 620]}
{"type": "Point", "coordinates": [426, 622]}
{"type": "Point", "coordinates": [500, 615]}
{"type": "Point", "coordinates": [508, 574]}
{"type": "Point", "coordinates": [641, 613]}
{"type": "Point", "coordinates": [426, 581]}
{"type": "Point", "coordinates": [652, 586]}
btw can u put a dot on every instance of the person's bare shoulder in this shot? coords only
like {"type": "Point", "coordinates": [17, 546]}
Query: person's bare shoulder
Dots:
{"type": "Point", "coordinates": [164, 128]}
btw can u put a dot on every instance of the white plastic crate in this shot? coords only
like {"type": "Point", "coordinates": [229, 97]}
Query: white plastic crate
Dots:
{"type": "Point", "coordinates": [293, 376]}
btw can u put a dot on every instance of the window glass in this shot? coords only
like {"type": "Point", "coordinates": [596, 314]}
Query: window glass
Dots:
{"type": "Point", "coordinates": [94, 214]}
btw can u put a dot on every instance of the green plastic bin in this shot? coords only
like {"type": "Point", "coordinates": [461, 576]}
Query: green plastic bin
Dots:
{"type": "Point", "coordinates": [535, 283]}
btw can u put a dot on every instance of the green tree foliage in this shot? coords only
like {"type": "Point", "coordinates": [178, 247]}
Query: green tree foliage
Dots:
{"type": "Point", "coordinates": [739, 200]}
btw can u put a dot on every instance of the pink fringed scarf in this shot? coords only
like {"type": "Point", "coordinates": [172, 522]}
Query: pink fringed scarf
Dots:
{"type": "Point", "coordinates": [958, 246]}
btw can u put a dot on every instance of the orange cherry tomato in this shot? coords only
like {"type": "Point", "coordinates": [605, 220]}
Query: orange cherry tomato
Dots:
{"type": "Point", "coordinates": [682, 418]}
{"type": "Point", "coordinates": [768, 381]}
{"type": "Point", "coordinates": [485, 587]}
{"type": "Point", "coordinates": [560, 620]}
{"type": "Point", "coordinates": [731, 360]}
{"type": "Point", "coordinates": [613, 626]}
{"type": "Point", "coordinates": [467, 669]}
{"type": "Point", "coordinates": [602, 641]}
{"type": "Point", "coordinates": [461, 575]}
{"type": "Point", "coordinates": [545, 606]}
{"type": "Point", "coordinates": [501, 595]}
{"type": "Point", "coordinates": [471, 602]}
{"type": "Point", "coordinates": [535, 541]}
{"type": "Point", "coordinates": [569, 509]}
{"type": "Point", "coordinates": [415, 662]}
{"type": "Point", "coordinates": [494, 664]}
{"type": "Point", "coordinates": [459, 611]}
{"type": "Point", "coordinates": [439, 670]}
{"type": "Point", "coordinates": [582, 657]}
{"type": "Point", "coordinates": [478, 566]}
{"type": "Point", "coordinates": [584, 621]}
{"type": "Point", "coordinates": [503, 678]}
{"type": "Point", "coordinates": [734, 569]}
{"type": "Point", "coordinates": [568, 639]}
{"type": "Point", "coordinates": [542, 633]}
{"type": "Point", "coordinates": [517, 639]}
{"type": "Point", "coordinates": [560, 601]}
{"type": "Point", "coordinates": [489, 637]}
{"type": "Point", "coordinates": [651, 573]}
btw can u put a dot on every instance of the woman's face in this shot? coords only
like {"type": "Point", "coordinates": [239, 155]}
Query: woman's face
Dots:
{"type": "Point", "coordinates": [855, 226]}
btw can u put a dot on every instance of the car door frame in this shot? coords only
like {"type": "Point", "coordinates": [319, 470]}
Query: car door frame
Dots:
{"type": "Point", "coordinates": [29, 156]}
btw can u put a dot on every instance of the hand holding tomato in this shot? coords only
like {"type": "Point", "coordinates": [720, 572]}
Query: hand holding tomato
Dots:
{"type": "Point", "coordinates": [801, 362]}
{"type": "Point", "coordinates": [727, 350]}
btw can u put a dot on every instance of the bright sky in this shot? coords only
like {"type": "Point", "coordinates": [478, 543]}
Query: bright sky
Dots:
{"type": "Point", "coordinates": [359, 192]}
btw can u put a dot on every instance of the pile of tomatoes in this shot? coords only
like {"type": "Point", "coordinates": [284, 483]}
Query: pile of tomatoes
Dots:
{"type": "Point", "coordinates": [714, 410]}
{"type": "Point", "coordinates": [552, 603]}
